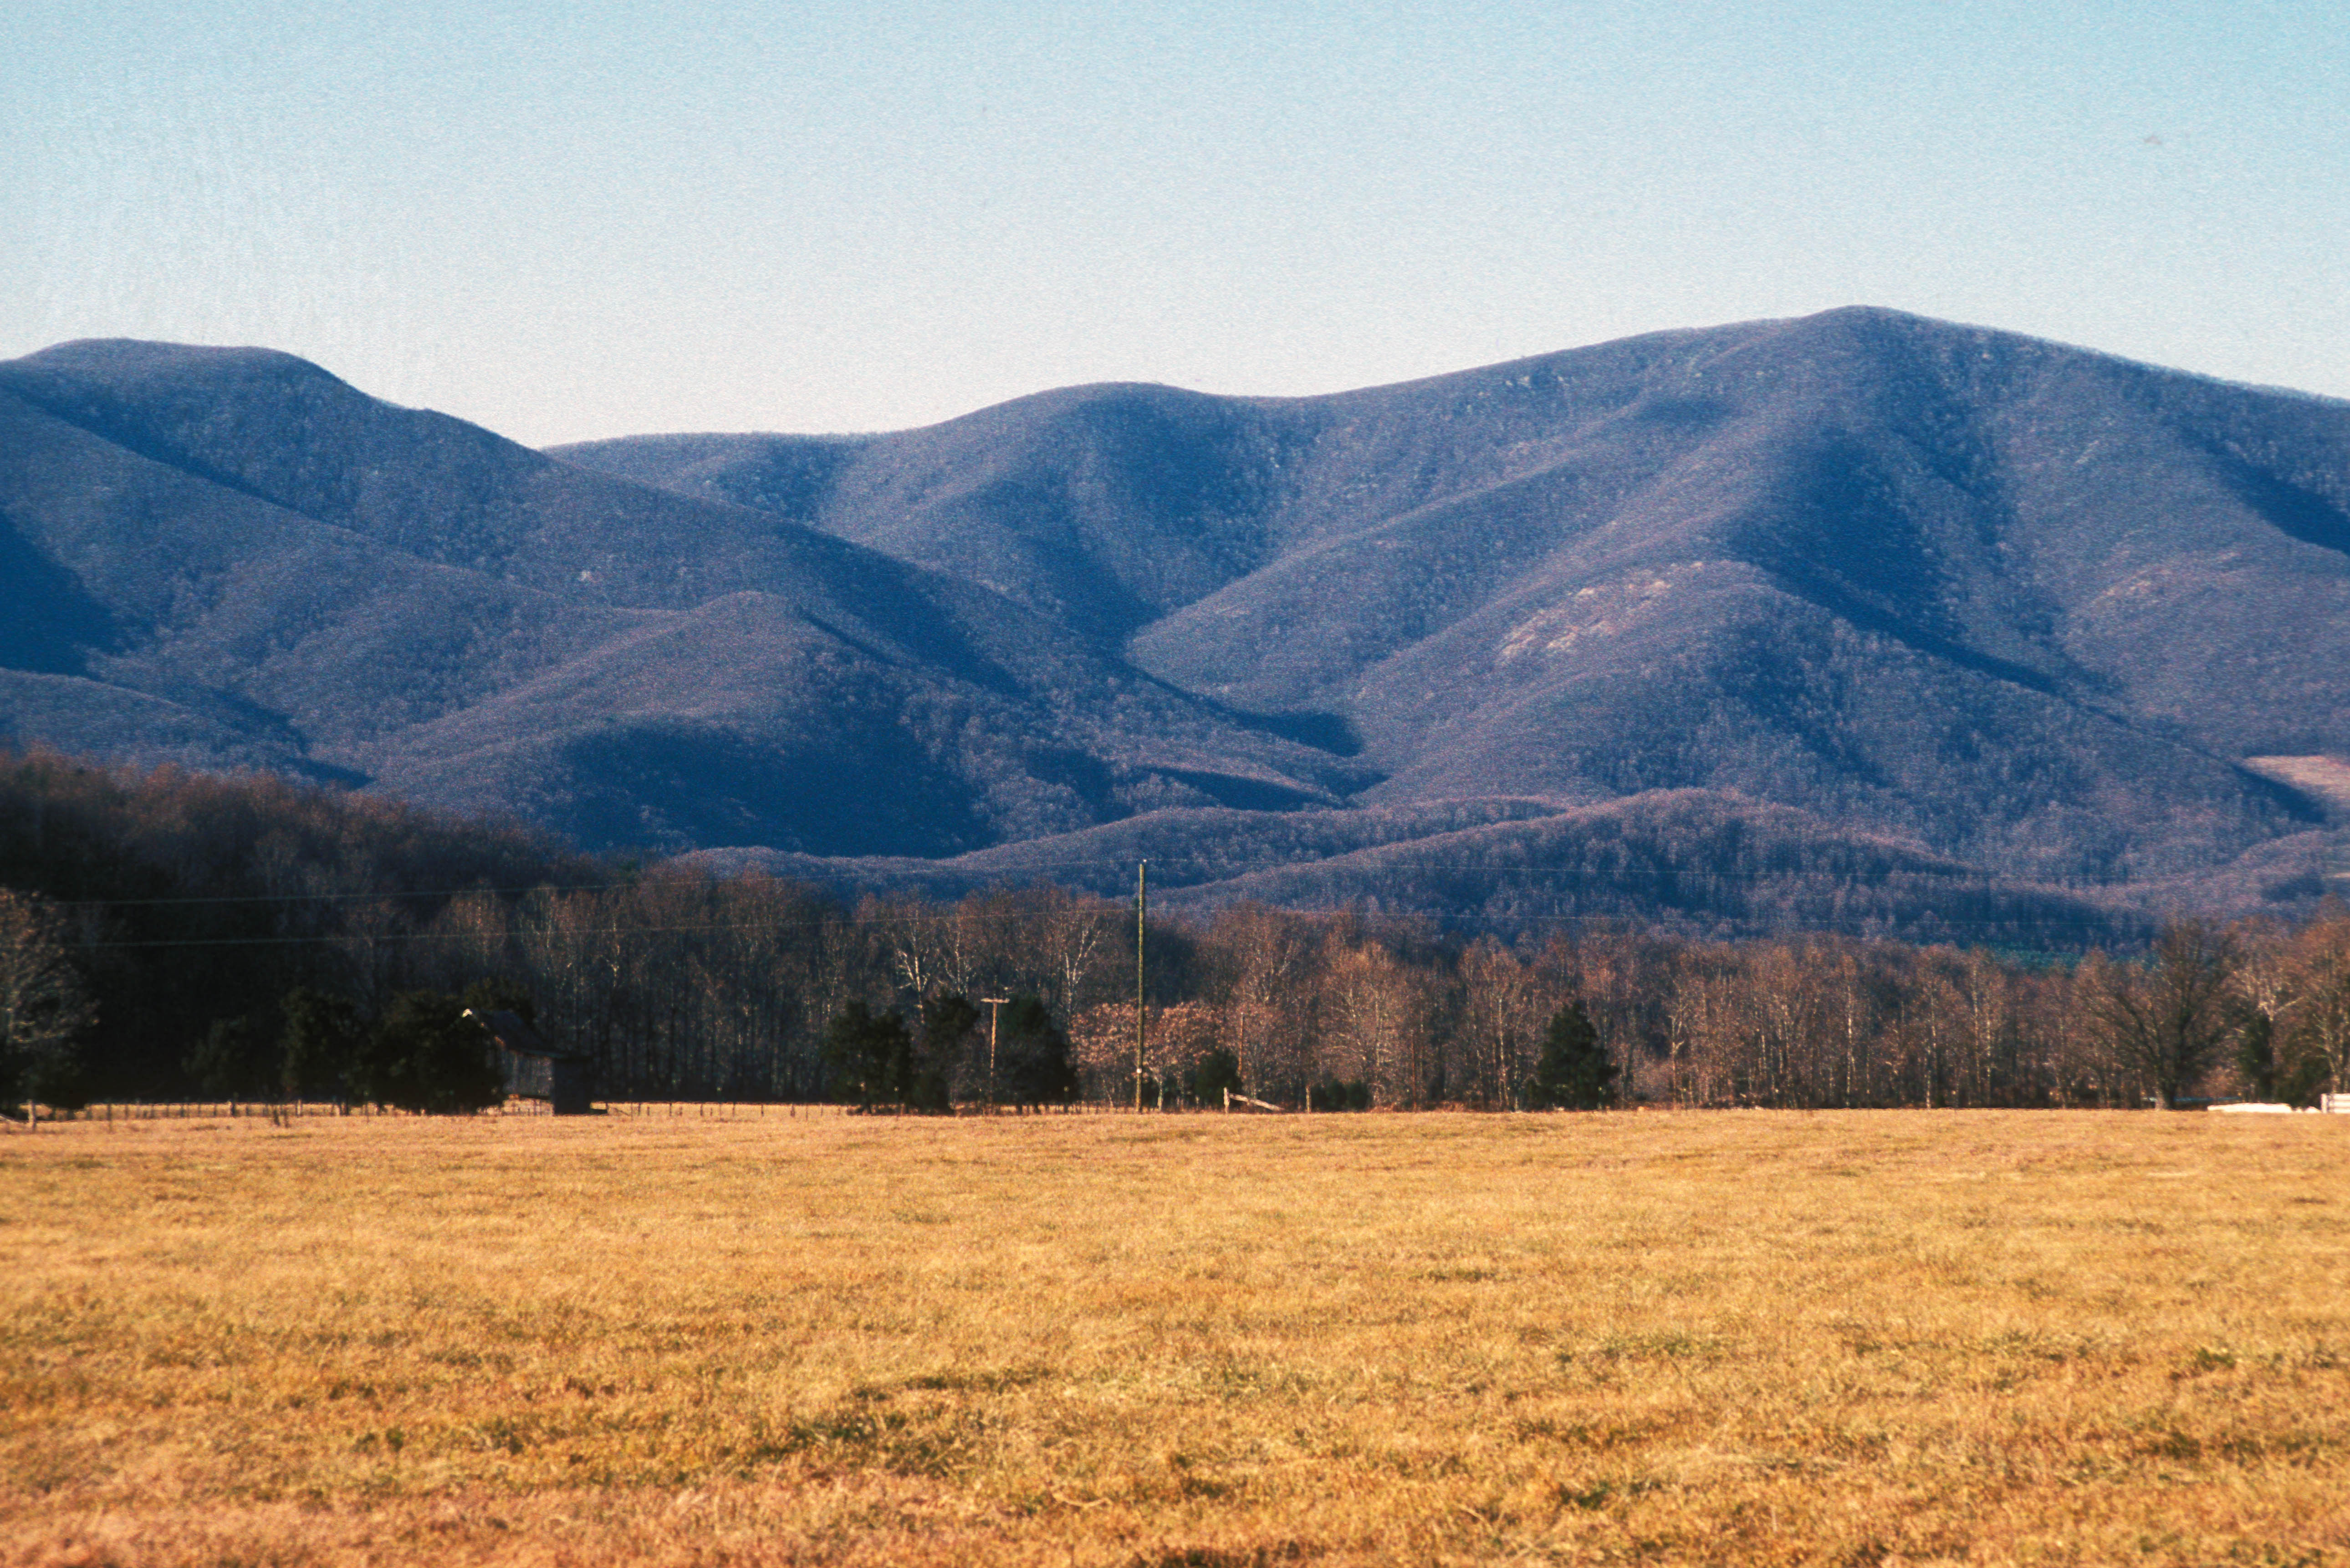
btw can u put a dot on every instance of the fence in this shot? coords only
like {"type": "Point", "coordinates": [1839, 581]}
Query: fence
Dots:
{"type": "Point", "coordinates": [697, 1110]}
{"type": "Point", "coordinates": [709, 1110]}
{"type": "Point", "coordinates": [288, 1110]}
{"type": "Point", "coordinates": [206, 1110]}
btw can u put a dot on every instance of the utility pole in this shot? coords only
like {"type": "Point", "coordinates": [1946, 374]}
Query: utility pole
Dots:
{"type": "Point", "coordinates": [995, 1012]}
{"type": "Point", "coordinates": [1141, 896]}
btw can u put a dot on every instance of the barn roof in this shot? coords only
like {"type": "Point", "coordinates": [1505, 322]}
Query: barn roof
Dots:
{"type": "Point", "coordinates": [514, 1035]}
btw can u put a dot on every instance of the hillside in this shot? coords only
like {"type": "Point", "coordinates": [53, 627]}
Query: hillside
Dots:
{"type": "Point", "coordinates": [1686, 862]}
{"type": "Point", "coordinates": [228, 557]}
{"type": "Point", "coordinates": [1881, 591]}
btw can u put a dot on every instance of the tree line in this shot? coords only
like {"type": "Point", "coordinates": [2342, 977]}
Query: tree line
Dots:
{"type": "Point", "coordinates": [166, 933]}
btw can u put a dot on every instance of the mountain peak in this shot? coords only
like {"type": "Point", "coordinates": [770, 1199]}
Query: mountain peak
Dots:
{"type": "Point", "coordinates": [2016, 606]}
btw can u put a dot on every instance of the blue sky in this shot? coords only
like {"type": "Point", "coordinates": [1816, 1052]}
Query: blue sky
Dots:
{"type": "Point", "coordinates": [591, 219]}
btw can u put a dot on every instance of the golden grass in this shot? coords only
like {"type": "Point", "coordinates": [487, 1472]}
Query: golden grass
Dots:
{"type": "Point", "coordinates": [1897, 1336]}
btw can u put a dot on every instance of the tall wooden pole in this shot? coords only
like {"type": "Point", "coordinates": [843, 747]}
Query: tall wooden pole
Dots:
{"type": "Point", "coordinates": [994, 1013]}
{"type": "Point", "coordinates": [1141, 894]}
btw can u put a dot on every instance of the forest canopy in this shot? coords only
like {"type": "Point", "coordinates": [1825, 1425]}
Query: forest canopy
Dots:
{"type": "Point", "coordinates": [246, 935]}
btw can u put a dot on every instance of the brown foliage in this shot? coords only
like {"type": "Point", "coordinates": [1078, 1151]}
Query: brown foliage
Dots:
{"type": "Point", "coordinates": [184, 901]}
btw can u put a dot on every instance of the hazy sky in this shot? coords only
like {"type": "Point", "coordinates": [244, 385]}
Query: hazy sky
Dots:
{"type": "Point", "coordinates": [591, 219]}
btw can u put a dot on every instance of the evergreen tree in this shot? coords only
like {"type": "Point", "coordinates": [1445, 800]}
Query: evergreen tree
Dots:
{"type": "Point", "coordinates": [1574, 1074]}
{"type": "Point", "coordinates": [320, 1038]}
{"type": "Point", "coordinates": [427, 1055]}
{"type": "Point", "coordinates": [1032, 1054]}
{"type": "Point", "coordinates": [2302, 1080]}
{"type": "Point", "coordinates": [870, 1055]}
{"type": "Point", "coordinates": [233, 1059]}
{"type": "Point", "coordinates": [1338, 1094]}
{"type": "Point", "coordinates": [2296, 1077]}
{"type": "Point", "coordinates": [2256, 1054]}
{"type": "Point", "coordinates": [1216, 1072]}
{"type": "Point", "coordinates": [949, 1023]}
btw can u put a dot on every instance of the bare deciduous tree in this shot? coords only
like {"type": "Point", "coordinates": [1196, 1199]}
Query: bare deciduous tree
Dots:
{"type": "Point", "coordinates": [2318, 976]}
{"type": "Point", "coordinates": [1501, 1018]}
{"type": "Point", "coordinates": [2170, 1021]}
{"type": "Point", "coordinates": [1264, 953]}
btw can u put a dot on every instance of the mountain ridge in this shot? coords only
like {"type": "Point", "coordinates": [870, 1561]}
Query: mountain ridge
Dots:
{"type": "Point", "coordinates": [2047, 614]}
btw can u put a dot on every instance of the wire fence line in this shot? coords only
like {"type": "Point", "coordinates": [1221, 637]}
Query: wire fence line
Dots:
{"type": "Point", "coordinates": [283, 1111]}
{"type": "Point", "coordinates": [290, 1110]}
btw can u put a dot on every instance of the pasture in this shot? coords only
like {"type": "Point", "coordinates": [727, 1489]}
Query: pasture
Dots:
{"type": "Point", "coordinates": [1738, 1336]}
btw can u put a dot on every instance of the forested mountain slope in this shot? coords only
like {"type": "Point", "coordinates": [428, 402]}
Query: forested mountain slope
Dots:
{"type": "Point", "coordinates": [2018, 603]}
{"type": "Point", "coordinates": [1962, 602]}
{"type": "Point", "coordinates": [228, 557]}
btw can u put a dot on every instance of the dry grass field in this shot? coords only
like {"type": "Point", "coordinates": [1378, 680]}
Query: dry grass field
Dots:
{"type": "Point", "coordinates": [1741, 1337]}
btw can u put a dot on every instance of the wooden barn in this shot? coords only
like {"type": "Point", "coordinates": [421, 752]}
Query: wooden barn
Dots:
{"type": "Point", "coordinates": [533, 1069]}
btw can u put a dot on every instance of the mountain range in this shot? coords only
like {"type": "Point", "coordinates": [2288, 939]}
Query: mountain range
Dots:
{"type": "Point", "coordinates": [1857, 620]}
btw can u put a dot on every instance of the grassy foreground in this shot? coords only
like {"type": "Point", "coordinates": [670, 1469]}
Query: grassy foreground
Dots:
{"type": "Point", "coordinates": [1894, 1336]}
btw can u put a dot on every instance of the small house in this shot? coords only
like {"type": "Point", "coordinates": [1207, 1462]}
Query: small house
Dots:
{"type": "Point", "coordinates": [534, 1070]}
